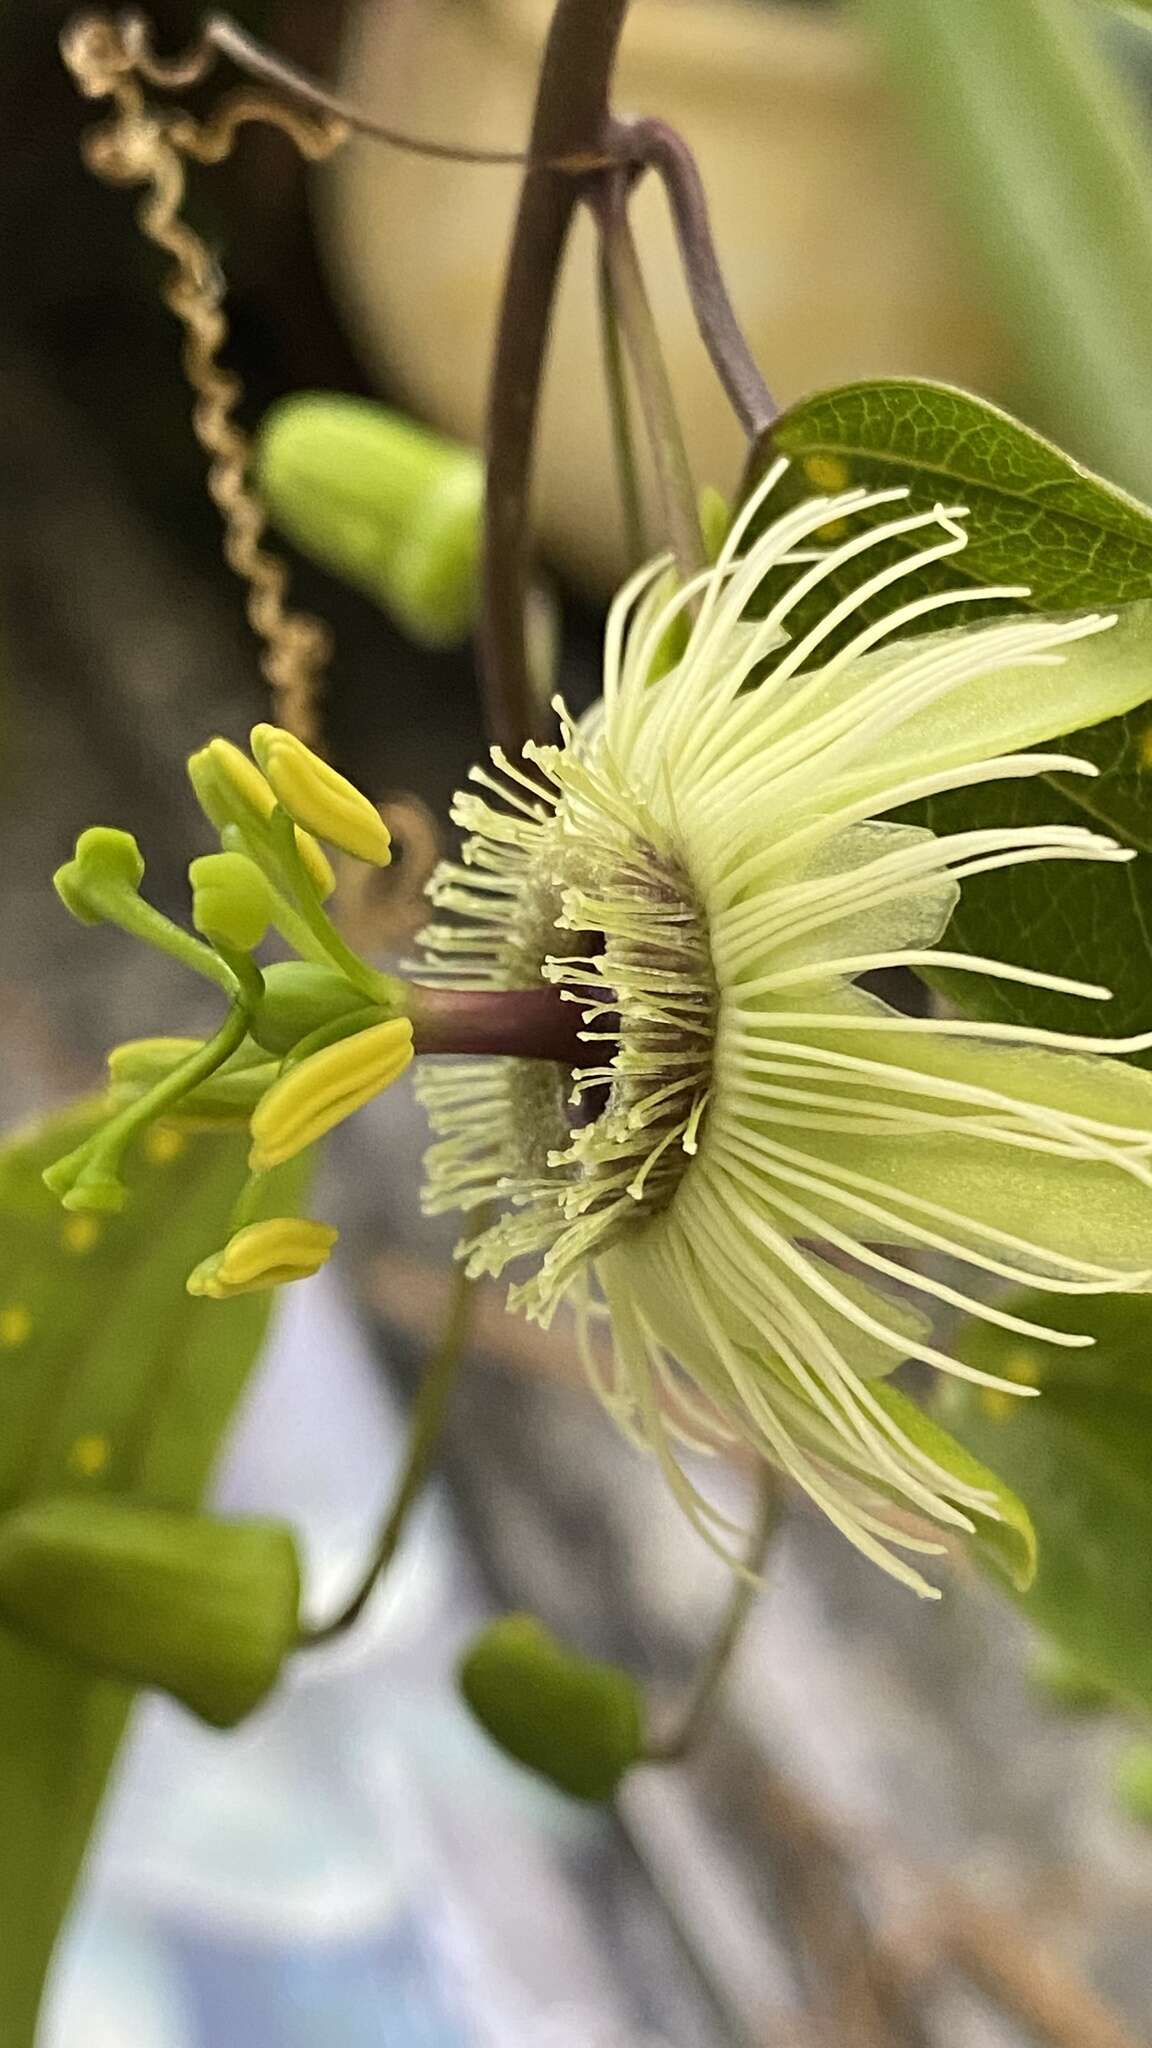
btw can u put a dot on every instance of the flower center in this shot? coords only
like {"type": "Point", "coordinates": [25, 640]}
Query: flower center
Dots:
{"type": "Point", "coordinates": [574, 1158]}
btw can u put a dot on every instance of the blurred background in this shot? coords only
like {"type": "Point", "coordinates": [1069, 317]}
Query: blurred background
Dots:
{"type": "Point", "coordinates": [894, 1839]}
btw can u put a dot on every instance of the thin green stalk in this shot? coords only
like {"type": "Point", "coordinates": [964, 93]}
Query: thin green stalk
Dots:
{"type": "Point", "coordinates": [379, 988]}
{"type": "Point", "coordinates": [620, 415]}
{"type": "Point", "coordinates": [713, 1669]}
{"type": "Point", "coordinates": [657, 399]}
{"type": "Point", "coordinates": [425, 1425]}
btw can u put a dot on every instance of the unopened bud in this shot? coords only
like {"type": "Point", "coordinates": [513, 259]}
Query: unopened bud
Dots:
{"type": "Point", "coordinates": [389, 506]}
{"type": "Point", "coordinates": [200, 1607]}
{"type": "Point", "coordinates": [573, 1720]}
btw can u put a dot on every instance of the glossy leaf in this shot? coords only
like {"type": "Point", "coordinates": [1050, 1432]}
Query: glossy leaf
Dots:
{"type": "Point", "coordinates": [113, 1382]}
{"type": "Point", "coordinates": [1081, 1457]}
{"type": "Point", "coordinates": [1039, 519]}
{"type": "Point", "coordinates": [1036, 516]}
{"type": "Point", "coordinates": [1037, 139]}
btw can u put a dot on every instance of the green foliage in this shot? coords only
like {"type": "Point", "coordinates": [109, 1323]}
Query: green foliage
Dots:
{"type": "Point", "coordinates": [113, 1384]}
{"type": "Point", "coordinates": [1038, 519]}
{"type": "Point", "coordinates": [576, 1722]}
{"type": "Point", "coordinates": [1041, 148]}
{"type": "Point", "coordinates": [1081, 1454]}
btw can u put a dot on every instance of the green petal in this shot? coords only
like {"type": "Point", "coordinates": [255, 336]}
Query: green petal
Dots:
{"type": "Point", "coordinates": [1006, 1537]}
{"type": "Point", "coordinates": [1073, 1207]}
{"type": "Point", "coordinates": [999, 713]}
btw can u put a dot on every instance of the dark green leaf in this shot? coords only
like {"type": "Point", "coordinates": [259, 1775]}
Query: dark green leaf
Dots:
{"type": "Point", "coordinates": [1081, 1457]}
{"type": "Point", "coordinates": [112, 1381]}
{"type": "Point", "coordinates": [1037, 517]}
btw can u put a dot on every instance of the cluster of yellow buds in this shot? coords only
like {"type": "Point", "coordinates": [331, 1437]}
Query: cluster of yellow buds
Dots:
{"type": "Point", "coordinates": [306, 1040]}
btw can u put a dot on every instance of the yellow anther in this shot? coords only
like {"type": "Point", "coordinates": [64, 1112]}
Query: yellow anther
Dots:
{"type": "Point", "coordinates": [80, 1233]}
{"type": "Point", "coordinates": [325, 1088]}
{"type": "Point", "coordinates": [164, 1144]}
{"type": "Point", "coordinates": [264, 1255]}
{"type": "Point", "coordinates": [228, 784]}
{"type": "Point", "coordinates": [316, 796]}
{"type": "Point", "coordinates": [827, 472]}
{"type": "Point", "coordinates": [89, 1455]}
{"type": "Point", "coordinates": [15, 1326]}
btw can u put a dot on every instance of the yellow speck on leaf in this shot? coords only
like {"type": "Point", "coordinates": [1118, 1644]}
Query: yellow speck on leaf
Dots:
{"type": "Point", "coordinates": [15, 1326]}
{"type": "Point", "coordinates": [827, 472]}
{"type": "Point", "coordinates": [1023, 1367]}
{"type": "Point", "coordinates": [997, 1406]}
{"type": "Point", "coordinates": [80, 1233]}
{"type": "Point", "coordinates": [89, 1455]}
{"type": "Point", "coordinates": [163, 1145]}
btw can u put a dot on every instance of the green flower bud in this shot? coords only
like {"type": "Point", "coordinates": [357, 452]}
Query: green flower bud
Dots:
{"type": "Point", "coordinates": [199, 1607]}
{"type": "Point", "coordinates": [576, 1722]}
{"type": "Point", "coordinates": [298, 998]}
{"type": "Point", "coordinates": [383, 503]}
{"type": "Point", "coordinates": [231, 900]}
{"type": "Point", "coordinates": [106, 864]}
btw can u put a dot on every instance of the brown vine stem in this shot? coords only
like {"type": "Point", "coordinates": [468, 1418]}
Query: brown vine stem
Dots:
{"type": "Point", "coordinates": [654, 144]}
{"type": "Point", "coordinates": [571, 119]}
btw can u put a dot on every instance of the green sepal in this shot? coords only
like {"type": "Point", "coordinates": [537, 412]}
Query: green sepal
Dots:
{"type": "Point", "coordinates": [196, 1606]}
{"type": "Point", "coordinates": [1007, 1538]}
{"type": "Point", "coordinates": [572, 1720]}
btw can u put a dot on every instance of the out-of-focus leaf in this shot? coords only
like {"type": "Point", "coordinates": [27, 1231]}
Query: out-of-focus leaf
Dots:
{"type": "Point", "coordinates": [1080, 1455]}
{"type": "Point", "coordinates": [1037, 519]}
{"type": "Point", "coordinates": [113, 1381]}
{"type": "Point", "coordinates": [1040, 146]}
